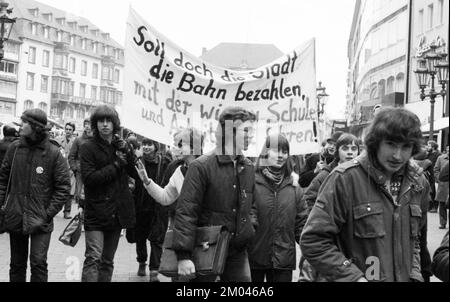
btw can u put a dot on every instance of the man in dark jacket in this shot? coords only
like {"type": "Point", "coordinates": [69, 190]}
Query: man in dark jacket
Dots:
{"type": "Point", "coordinates": [151, 217]}
{"type": "Point", "coordinates": [218, 190]}
{"type": "Point", "coordinates": [366, 221]}
{"type": "Point", "coordinates": [10, 134]}
{"type": "Point", "coordinates": [74, 161]}
{"type": "Point", "coordinates": [106, 161]}
{"type": "Point", "coordinates": [317, 161]}
{"type": "Point", "coordinates": [433, 154]}
{"type": "Point", "coordinates": [39, 185]}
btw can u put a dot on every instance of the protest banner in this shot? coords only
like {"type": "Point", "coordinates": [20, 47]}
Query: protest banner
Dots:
{"type": "Point", "coordinates": [166, 88]}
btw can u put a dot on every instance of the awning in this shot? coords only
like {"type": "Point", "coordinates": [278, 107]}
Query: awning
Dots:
{"type": "Point", "coordinates": [439, 124]}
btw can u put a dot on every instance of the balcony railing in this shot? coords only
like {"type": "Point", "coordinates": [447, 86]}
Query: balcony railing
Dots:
{"type": "Point", "coordinates": [58, 97]}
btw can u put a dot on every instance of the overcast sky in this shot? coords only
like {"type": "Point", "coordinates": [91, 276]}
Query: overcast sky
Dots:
{"type": "Point", "coordinates": [193, 24]}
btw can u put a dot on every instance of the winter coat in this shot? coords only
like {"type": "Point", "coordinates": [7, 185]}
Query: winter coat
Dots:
{"type": "Point", "coordinates": [313, 188]}
{"type": "Point", "coordinates": [354, 227]}
{"type": "Point", "coordinates": [4, 144]}
{"type": "Point", "coordinates": [39, 188]}
{"type": "Point", "coordinates": [65, 145]}
{"type": "Point", "coordinates": [311, 161]}
{"type": "Point", "coordinates": [443, 176]}
{"type": "Point", "coordinates": [443, 188]}
{"type": "Point", "coordinates": [427, 167]}
{"type": "Point", "coordinates": [109, 204]}
{"type": "Point", "coordinates": [440, 260]}
{"type": "Point", "coordinates": [74, 154]}
{"type": "Point", "coordinates": [281, 215]}
{"type": "Point", "coordinates": [148, 211]}
{"type": "Point", "coordinates": [215, 192]}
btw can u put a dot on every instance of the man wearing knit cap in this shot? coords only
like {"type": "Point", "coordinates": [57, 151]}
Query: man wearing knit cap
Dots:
{"type": "Point", "coordinates": [34, 185]}
{"type": "Point", "coordinates": [218, 190]}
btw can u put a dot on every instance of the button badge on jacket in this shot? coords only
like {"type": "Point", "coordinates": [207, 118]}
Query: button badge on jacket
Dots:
{"type": "Point", "coordinates": [39, 170]}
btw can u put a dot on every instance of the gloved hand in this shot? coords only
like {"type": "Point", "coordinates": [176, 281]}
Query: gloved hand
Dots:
{"type": "Point", "coordinates": [121, 160]}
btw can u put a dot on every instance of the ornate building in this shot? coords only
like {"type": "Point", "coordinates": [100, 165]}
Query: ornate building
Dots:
{"type": "Point", "coordinates": [60, 63]}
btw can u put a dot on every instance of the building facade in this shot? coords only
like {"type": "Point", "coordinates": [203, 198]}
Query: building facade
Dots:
{"type": "Point", "coordinates": [430, 24]}
{"type": "Point", "coordinates": [60, 63]}
{"type": "Point", "coordinates": [377, 52]}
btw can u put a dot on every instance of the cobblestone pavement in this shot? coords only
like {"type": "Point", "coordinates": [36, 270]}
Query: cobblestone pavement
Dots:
{"type": "Point", "coordinates": [64, 262]}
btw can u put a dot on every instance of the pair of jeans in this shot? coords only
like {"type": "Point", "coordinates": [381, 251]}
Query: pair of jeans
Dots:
{"type": "Point", "coordinates": [101, 247]}
{"type": "Point", "coordinates": [271, 275]}
{"type": "Point", "coordinates": [38, 256]}
{"type": "Point", "coordinates": [155, 253]}
{"type": "Point", "coordinates": [442, 213]}
{"type": "Point", "coordinates": [237, 268]}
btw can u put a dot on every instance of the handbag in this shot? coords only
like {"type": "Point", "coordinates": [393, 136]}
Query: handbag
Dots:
{"type": "Point", "coordinates": [72, 232]}
{"type": "Point", "coordinates": [3, 207]}
{"type": "Point", "coordinates": [209, 254]}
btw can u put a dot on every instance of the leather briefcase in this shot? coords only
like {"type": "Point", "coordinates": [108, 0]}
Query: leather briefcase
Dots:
{"type": "Point", "coordinates": [209, 255]}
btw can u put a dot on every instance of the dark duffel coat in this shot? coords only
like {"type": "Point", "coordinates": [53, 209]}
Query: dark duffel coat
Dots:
{"type": "Point", "coordinates": [109, 204]}
{"type": "Point", "coordinates": [40, 186]}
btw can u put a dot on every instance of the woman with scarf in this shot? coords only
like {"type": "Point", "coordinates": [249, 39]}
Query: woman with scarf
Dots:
{"type": "Point", "coordinates": [281, 214]}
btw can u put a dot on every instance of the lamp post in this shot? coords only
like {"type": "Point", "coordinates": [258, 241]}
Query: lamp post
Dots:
{"type": "Point", "coordinates": [321, 99]}
{"type": "Point", "coordinates": [6, 25]}
{"type": "Point", "coordinates": [428, 67]}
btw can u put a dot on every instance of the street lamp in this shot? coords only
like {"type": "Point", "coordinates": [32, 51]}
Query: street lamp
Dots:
{"type": "Point", "coordinates": [427, 68]}
{"type": "Point", "coordinates": [6, 25]}
{"type": "Point", "coordinates": [321, 99]}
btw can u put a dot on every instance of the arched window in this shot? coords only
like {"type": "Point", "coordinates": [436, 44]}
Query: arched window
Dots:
{"type": "Point", "coordinates": [390, 85]}
{"type": "Point", "coordinates": [28, 104]}
{"type": "Point", "coordinates": [381, 88]}
{"type": "Point", "coordinates": [43, 106]}
{"type": "Point", "coordinates": [68, 113]}
{"type": "Point", "coordinates": [80, 113]}
{"type": "Point", "coordinates": [400, 82]}
{"type": "Point", "coordinates": [373, 91]}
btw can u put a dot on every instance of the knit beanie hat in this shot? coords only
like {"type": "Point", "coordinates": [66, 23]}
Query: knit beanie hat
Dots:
{"type": "Point", "coordinates": [35, 116]}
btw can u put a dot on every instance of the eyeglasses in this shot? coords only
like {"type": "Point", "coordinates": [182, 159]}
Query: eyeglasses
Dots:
{"type": "Point", "coordinates": [69, 129]}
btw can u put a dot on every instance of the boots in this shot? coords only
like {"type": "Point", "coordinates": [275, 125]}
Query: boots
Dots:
{"type": "Point", "coordinates": [154, 276]}
{"type": "Point", "coordinates": [142, 269]}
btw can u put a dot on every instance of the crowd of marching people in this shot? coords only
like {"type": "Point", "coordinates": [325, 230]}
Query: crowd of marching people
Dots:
{"type": "Point", "coordinates": [357, 209]}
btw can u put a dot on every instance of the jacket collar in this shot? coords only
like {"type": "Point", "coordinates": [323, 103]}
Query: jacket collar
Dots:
{"type": "Point", "coordinates": [226, 159]}
{"type": "Point", "coordinates": [261, 179]}
{"type": "Point", "coordinates": [40, 145]}
{"type": "Point", "coordinates": [411, 172]}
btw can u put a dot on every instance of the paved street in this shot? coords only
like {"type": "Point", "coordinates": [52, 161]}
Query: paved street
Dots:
{"type": "Point", "coordinates": [64, 262]}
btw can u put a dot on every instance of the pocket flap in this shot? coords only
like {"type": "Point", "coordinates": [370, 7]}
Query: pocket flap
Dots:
{"type": "Point", "coordinates": [367, 209]}
{"type": "Point", "coordinates": [416, 211]}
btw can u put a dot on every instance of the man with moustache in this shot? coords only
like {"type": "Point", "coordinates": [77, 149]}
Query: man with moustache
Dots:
{"type": "Point", "coordinates": [366, 221]}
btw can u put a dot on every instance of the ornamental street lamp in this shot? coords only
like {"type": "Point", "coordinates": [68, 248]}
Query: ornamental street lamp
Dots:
{"type": "Point", "coordinates": [428, 67]}
{"type": "Point", "coordinates": [321, 99]}
{"type": "Point", "coordinates": [6, 25]}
